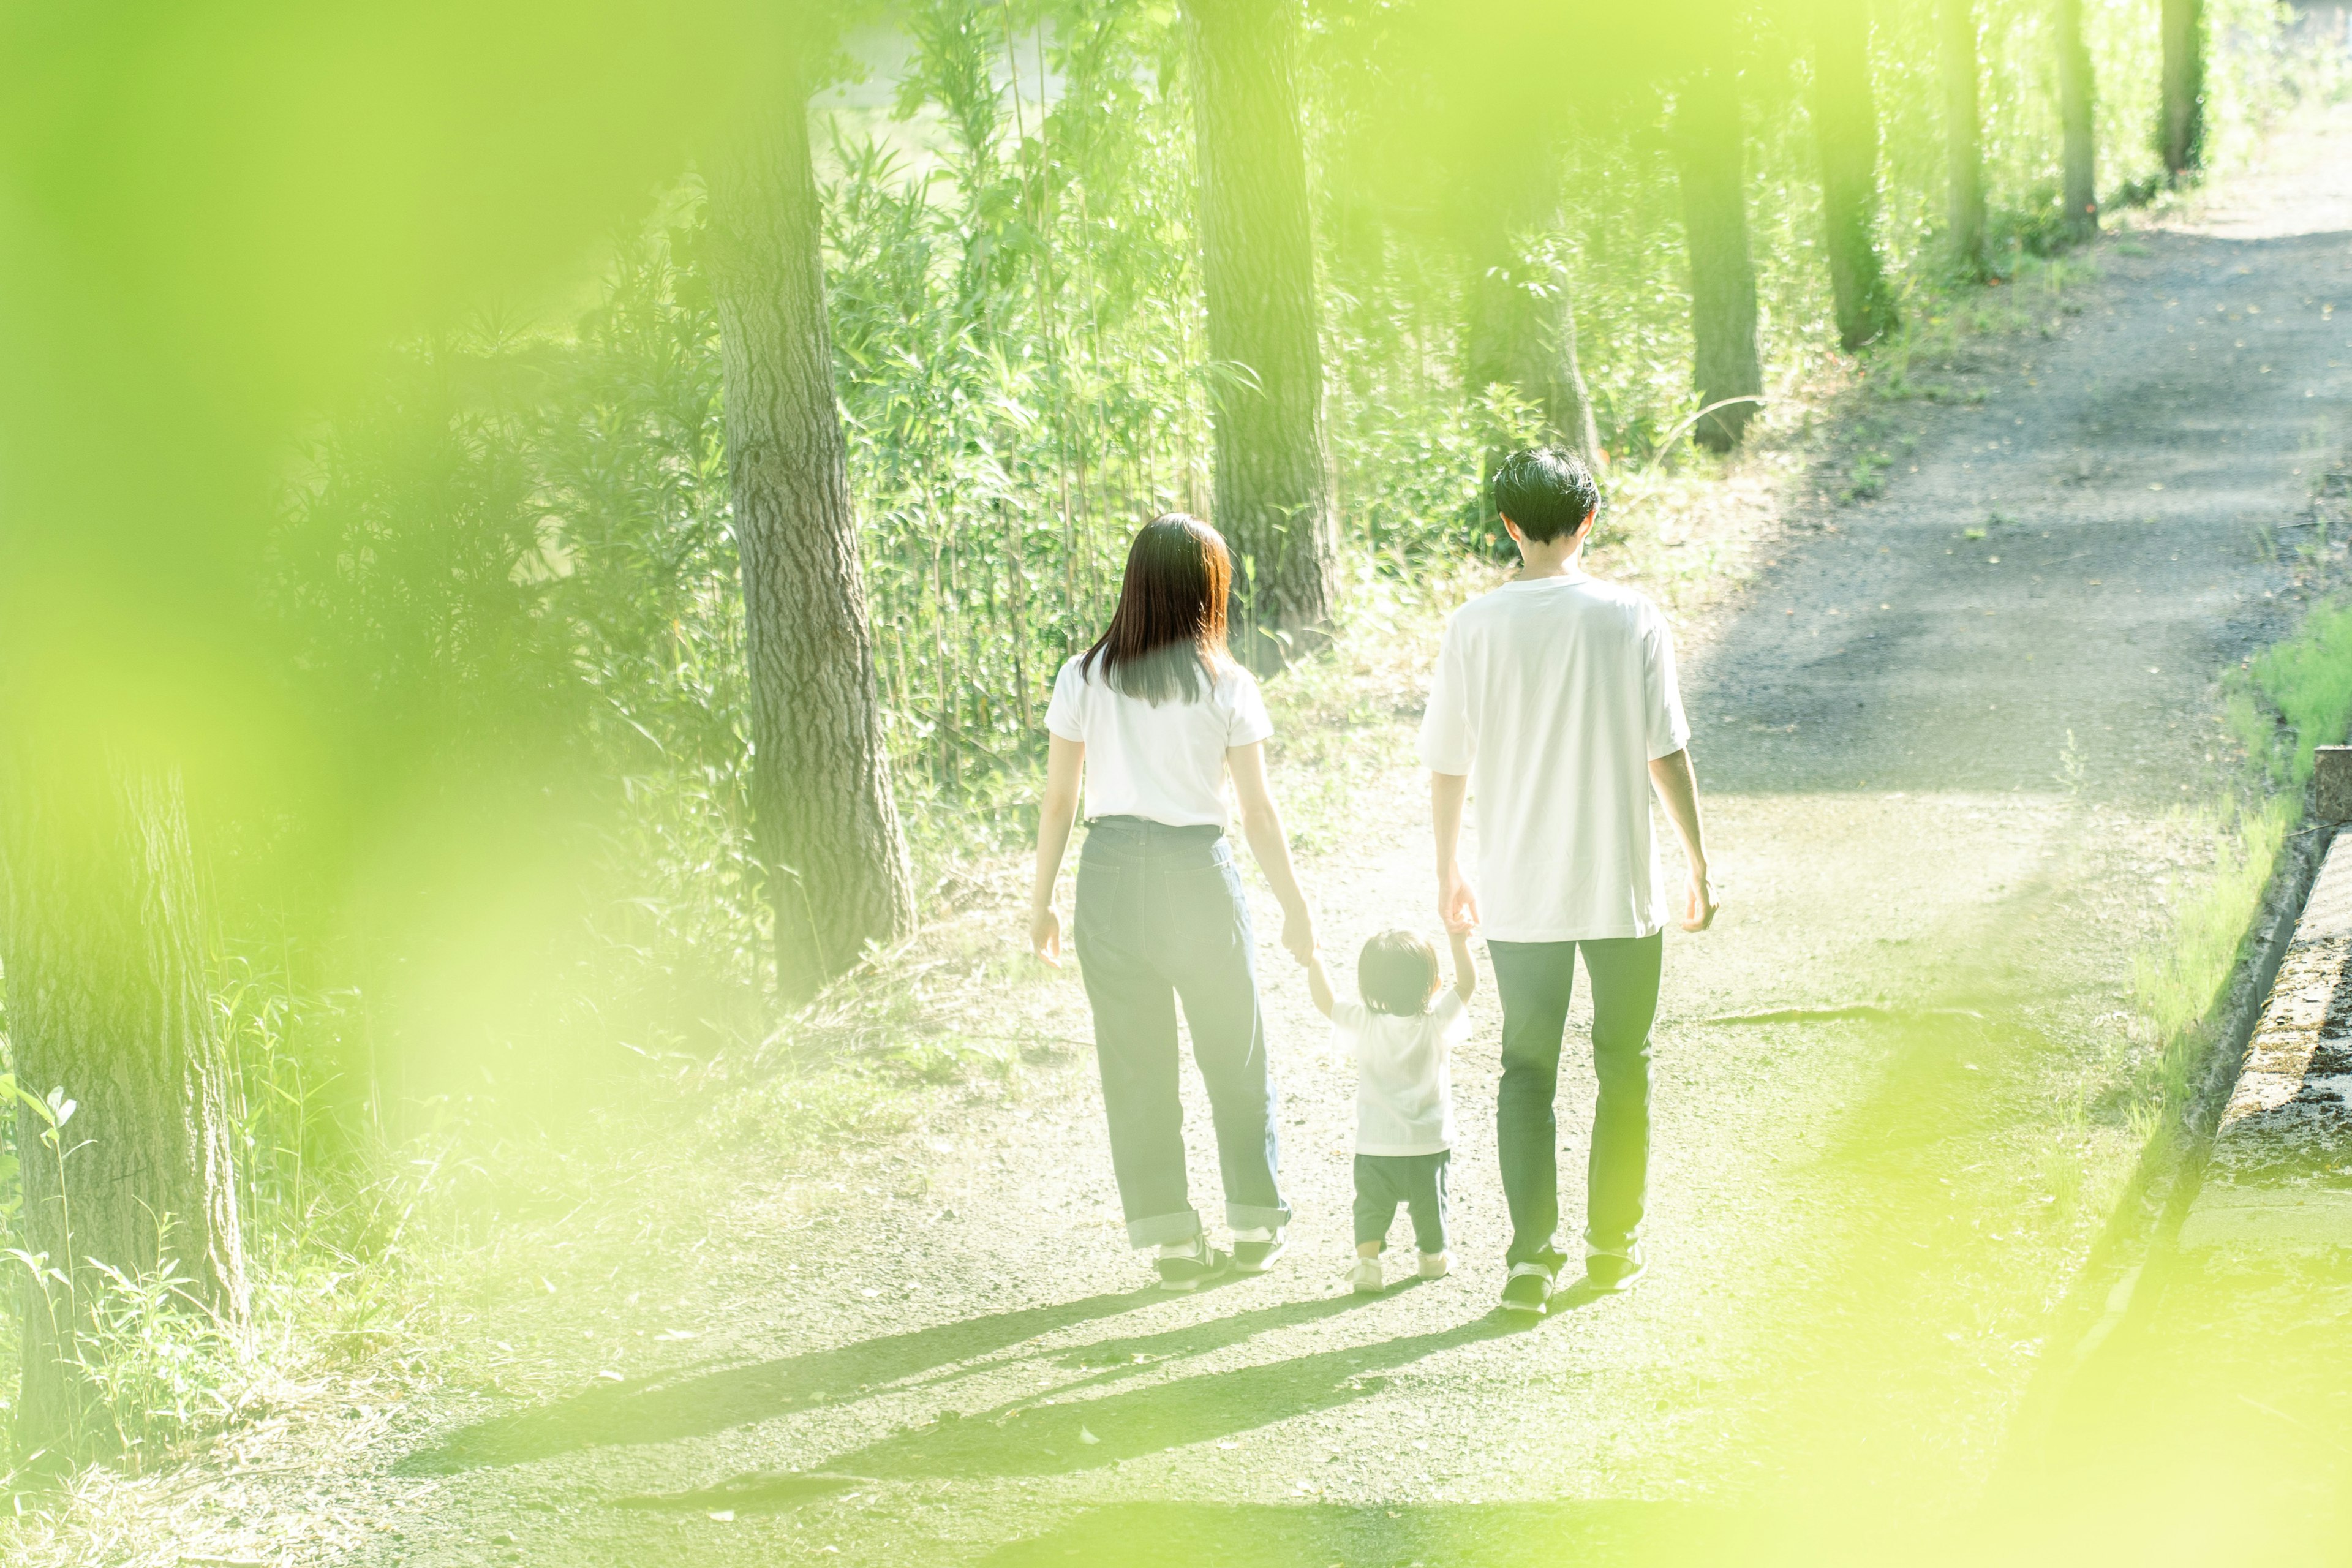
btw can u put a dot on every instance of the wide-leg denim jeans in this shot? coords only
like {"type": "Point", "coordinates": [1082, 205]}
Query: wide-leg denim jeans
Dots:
{"type": "Point", "coordinates": [1161, 920]}
{"type": "Point", "coordinates": [1535, 981]}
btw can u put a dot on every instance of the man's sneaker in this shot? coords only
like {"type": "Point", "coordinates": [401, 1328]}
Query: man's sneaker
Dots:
{"type": "Point", "coordinates": [1366, 1277]}
{"type": "Point", "coordinates": [1257, 1255]}
{"type": "Point", "coordinates": [1611, 1272]}
{"type": "Point", "coordinates": [1190, 1270]}
{"type": "Point", "coordinates": [1529, 1290]}
{"type": "Point", "coordinates": [1436, 1265]}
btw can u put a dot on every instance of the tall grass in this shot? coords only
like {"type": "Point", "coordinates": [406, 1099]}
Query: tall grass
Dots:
{"type": "Point", "coordinates": [2291, 699]}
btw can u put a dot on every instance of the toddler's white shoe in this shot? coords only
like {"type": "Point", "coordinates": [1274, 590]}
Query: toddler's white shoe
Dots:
{"type": "Point", "coordinates": [1436, 1265]}
{"type": "Point", "coordinates": [1366, 1277]}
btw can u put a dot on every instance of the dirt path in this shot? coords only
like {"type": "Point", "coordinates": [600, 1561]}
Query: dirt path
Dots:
{"type": "Point", "coordinates": [1947, 773]}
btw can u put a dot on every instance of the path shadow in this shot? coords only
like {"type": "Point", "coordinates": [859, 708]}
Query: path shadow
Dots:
{"type": "Point", "coordinates": [1021, 1439]}
{"type": "Point", "coordinates": [690, 1403]}
{"type": "Point", "coordinates": [1461, 1535]}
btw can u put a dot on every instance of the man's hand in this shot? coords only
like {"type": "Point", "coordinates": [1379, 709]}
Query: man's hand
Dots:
{"type": "Point", "coordinates": [1045, 936]}
{"type": "Point", "coordinates": [1298, 933]}
{"type": "Point", "coordinates": [1457, 901]}
{"type": "Point", "coordinates": [1699, 903]}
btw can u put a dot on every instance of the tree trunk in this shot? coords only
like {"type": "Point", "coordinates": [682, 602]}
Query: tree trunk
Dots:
{"type": "Point", "coordinates": [1963, 137]}
{"type": "Point", "coordinates": [2182, 128]}
{"type": "Point", "coordinates": [1257, 264]}
{"type": "Point", "coordinates": [827, 824]}
{"type": "Point", "coordinates": [2078, 142]}
{"type": "Point", "coordinates": [1522, 323]}
{"type": "Point", "coordinates": [1710, 156]}
{"type": "Point", "coordinates": [100, 938]}
{"type": "Point", "coordinates": [1846, 128]}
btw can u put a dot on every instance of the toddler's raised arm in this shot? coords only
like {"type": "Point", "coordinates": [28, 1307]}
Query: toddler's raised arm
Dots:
{"type": "Point", "coordinates": [1319, 983]}
{"type": "Point", "coordinates": [1466, 965]}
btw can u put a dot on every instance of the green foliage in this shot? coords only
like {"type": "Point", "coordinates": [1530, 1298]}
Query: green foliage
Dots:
{"type": "Point", "coordinates": [2178, 986]}
{"type": "Point", "coordinates": [2309, 681]}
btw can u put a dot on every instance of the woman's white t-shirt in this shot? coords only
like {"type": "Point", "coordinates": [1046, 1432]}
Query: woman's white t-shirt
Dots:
{"type": "Point", "coordinates": [1405, 1085]}
{"type": "Point", "coordinates": [1164, 763]}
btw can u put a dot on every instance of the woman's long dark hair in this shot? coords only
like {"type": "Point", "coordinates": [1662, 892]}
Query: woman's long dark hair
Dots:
{"type": "Point", "coordinates": [1170, 626]}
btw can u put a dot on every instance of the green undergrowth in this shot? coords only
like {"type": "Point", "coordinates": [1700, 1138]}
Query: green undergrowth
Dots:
{"type": "Point", "coordinates": [2290, 699]}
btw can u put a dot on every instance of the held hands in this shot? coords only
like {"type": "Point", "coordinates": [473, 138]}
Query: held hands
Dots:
{"type": "Point", "coordinates": [1699, 903]}
{"type": "Point", "coordinates": [1298, 933]}
{"type": "Point", "coordinates": [1045, 936]}
{"type": "Point", "coordinates": [1457, 902]}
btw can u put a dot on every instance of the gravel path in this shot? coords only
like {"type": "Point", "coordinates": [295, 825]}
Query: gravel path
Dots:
{"type": "Point", "coordinates": [1948, 735]}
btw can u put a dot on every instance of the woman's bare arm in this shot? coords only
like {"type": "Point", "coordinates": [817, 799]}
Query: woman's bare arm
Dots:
{"type": "Point", "coordinates": [1262, 826]}
{"type": "Point", "coordinates": [1057, 811]}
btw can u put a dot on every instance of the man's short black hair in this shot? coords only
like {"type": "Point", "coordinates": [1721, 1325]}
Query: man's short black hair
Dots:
{"type": "Point", "coordinates": [1546, 491]}
{"type": "Point", "coordinates": [1397, 973]}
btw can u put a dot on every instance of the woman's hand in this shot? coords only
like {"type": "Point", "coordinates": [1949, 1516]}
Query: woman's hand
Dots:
{"type": "Point", "coordinates": [1298, 933]}
{"type": "Point", "coordinates": [1045, 936]}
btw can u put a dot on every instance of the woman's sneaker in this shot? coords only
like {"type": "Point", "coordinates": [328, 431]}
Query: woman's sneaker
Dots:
{"type": "Point", "coordinates": [1529, 1290]}
{"type": "Point", "coordinates": [1194, 1264]}
{"type": "Point", "coordinates": [1366, 1277]}
{"type": "Point", "coordinates": [1255, 1251]}
{"type": "Point", "coordinates": [1436, 1265]}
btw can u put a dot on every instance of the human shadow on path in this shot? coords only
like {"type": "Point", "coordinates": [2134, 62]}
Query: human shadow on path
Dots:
{"type": "Point", "coordinates": [1490, 1535]}
{"type": "Point", "coordinates": [663, 1409]}
{"type": "Point", "coordinates": [685, 1403]}
{"type": "Point", "coordinates": [1022, 1439]}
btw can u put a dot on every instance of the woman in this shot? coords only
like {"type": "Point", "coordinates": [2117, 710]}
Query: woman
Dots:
{"type": "Point", "coordinates": [1158, 711]}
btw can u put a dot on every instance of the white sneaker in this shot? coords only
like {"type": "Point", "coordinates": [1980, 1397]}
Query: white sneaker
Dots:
{"type": "Point", "coordinates": [1436, 1265]}
{"type": "Point", "coordinates": [1366, 1277]}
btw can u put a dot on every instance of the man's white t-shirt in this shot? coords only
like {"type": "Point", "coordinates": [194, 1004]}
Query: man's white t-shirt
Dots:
{"type": "Point", "coordinates": [1165, 763]}
{"type": "Point", "coordinates": [1404, 1085]}
{"type": "Point", "coordinates": [1554, 696]}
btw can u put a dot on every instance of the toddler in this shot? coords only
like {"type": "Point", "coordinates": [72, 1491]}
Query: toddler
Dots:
{"type": "Point", "coordinates": [1405, 1094]}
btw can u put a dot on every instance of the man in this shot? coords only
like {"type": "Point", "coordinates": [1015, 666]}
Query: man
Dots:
{"type": "Point", "coordinates": [1555, 696]}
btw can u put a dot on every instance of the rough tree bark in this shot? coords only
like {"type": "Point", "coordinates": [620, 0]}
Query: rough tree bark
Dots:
{"type": "Point", "coordinates": [100, 939]}
{"type": "Point", "coordinates": [2180, 131]}
{"type": "Point", "coordinates": [1521, 329]}
{"type": "Point", "coordinates": [1963, 136]}
{"type": "Point", "coordinates": [1710, 158]}
{"type": "Point", "coordinates": [2079, 145]}
{"type": "Point", "coordinates": [1272, 500]}
{"type": "Point", "coordinates": [1845, 129]}
{"type": "Point", "coordinates": [827, 824]}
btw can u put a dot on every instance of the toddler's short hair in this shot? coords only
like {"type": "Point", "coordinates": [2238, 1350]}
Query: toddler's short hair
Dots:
{"type": "Point", "coordinates": [1397, 973]}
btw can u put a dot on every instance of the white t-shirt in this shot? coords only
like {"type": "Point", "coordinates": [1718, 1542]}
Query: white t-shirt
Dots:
{"type": "Point", "coordinates": [1166, 763]}
{"type": "Point", "coordinates": [1405, 1088]}
{"type": "Point", "coordinates": [1554, 696]}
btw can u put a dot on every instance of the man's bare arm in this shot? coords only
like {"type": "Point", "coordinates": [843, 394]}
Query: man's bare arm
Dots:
{"type": "Point", "coordinates": [1677, 788]}
{"type": "Point", "coordinates": [1457, 902]}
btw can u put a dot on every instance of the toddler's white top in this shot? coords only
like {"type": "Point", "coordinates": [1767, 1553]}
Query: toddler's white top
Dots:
{"type": "Point", "coordinates": [1165, 763]}
{"type": "Point", "coordinates": [1555, 696]}
{"type": "Point", "coordinates": [1404, 1090]}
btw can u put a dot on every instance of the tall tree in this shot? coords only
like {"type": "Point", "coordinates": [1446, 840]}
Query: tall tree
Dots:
{"type": "Point", "coordinates": [1272, 498]}
{"type": "Point", "coordinates": [1710, 158]}
{"type": "Point", "coordinates": [1845, 129]}
{"type": "Point", "coordinates": [1963, 136]}
{"type": "Point", "coordinates": [2079, 145]}
{"type": "Point", "coordinates": [1522, 321]}
{"type": "Point", "coordinates": [827, 824]}
{"type": "Point", "coordinates": [110, 1023]}
{"type": "Point", "coordinates": [2180, 131]}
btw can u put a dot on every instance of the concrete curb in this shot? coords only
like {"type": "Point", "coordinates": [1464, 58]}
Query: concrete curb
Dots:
{"type": "Point", "coordinates": [2280, 1173]}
